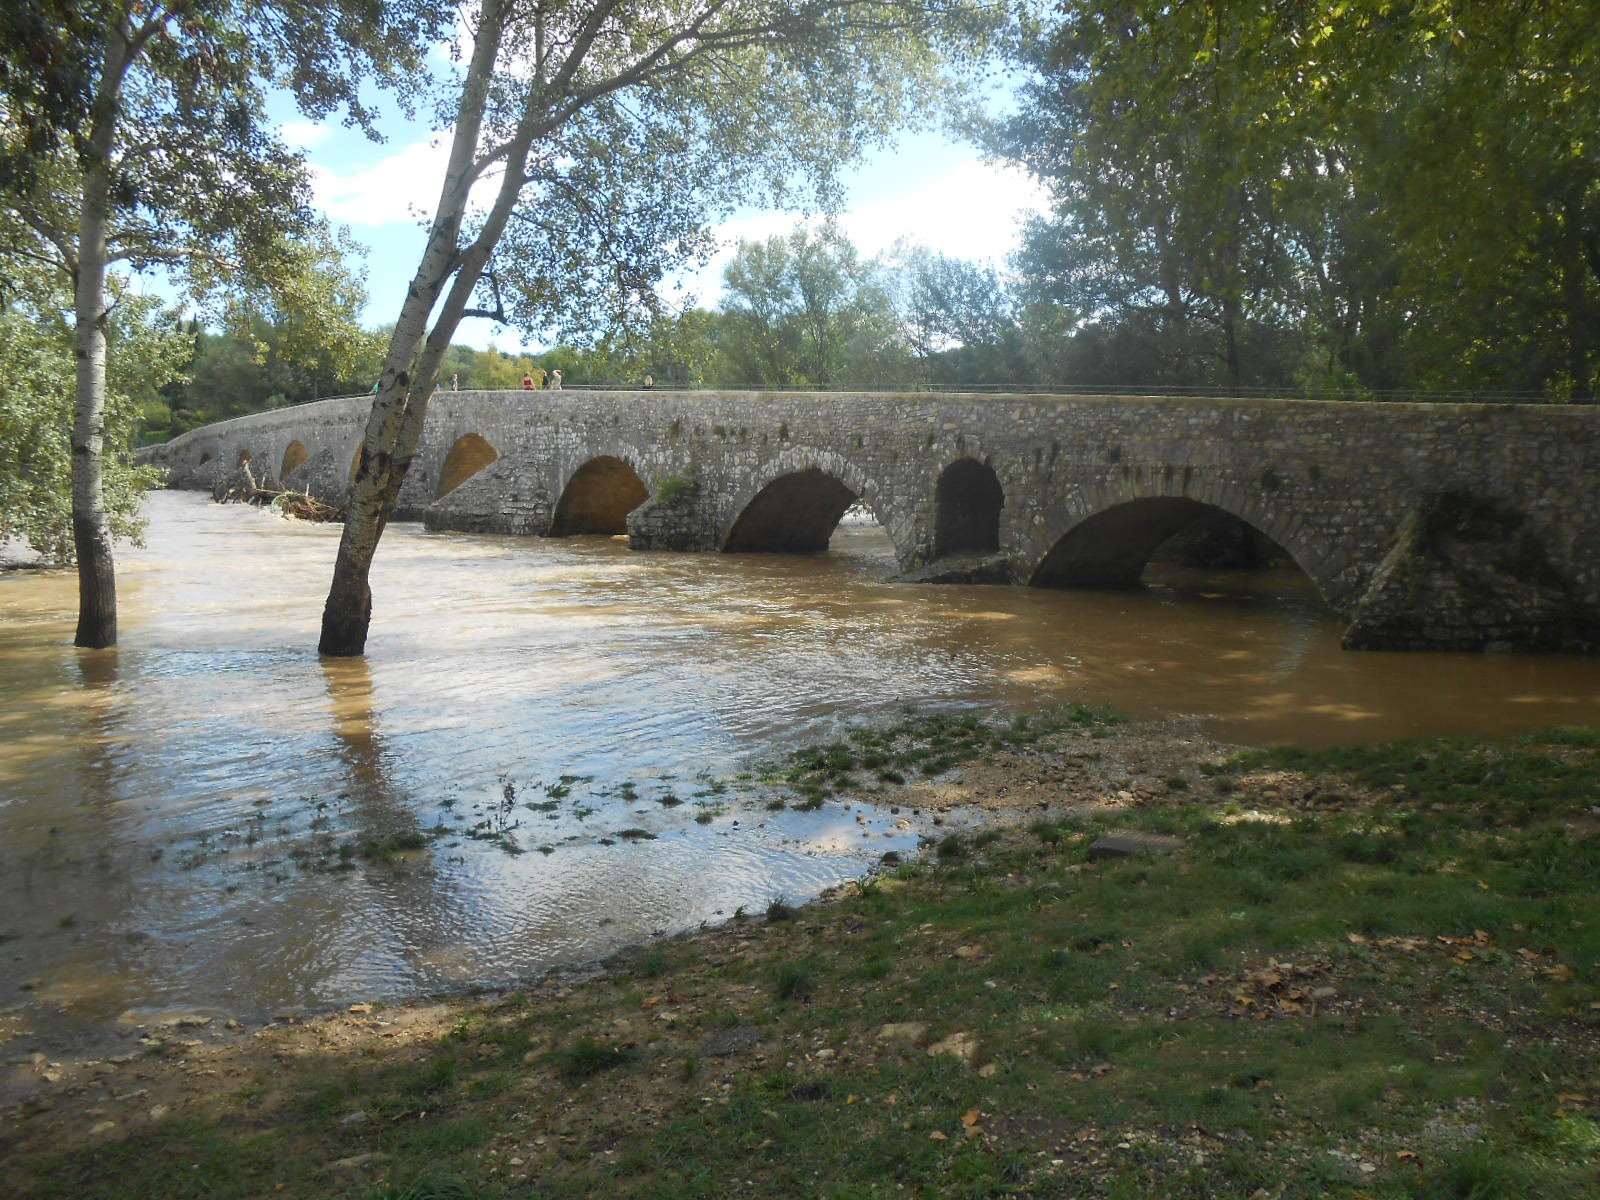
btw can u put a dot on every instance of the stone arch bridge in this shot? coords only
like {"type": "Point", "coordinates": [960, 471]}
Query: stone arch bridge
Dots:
{"type": "Point", "coordinates": [1422, 525]}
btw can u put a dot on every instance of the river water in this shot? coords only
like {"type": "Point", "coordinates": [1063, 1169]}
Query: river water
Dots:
{"type": "Point", "coordinates": [212, 818]}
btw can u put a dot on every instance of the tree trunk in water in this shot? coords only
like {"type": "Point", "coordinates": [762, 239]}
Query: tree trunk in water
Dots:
{"type": "Point", "coordinates": [401, 405]}
{"type": "Point", "coordinates": [347, 613]}
{"type": "Point", "coordinates": [91, 532]}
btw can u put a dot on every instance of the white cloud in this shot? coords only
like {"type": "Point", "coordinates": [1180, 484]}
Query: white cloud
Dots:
{"type": "Point", "coordinates": [400, 187]}
{"type": "Point", "coordinates": [304, 135]}
{"type": "Point", "coordinates": [973, 210]}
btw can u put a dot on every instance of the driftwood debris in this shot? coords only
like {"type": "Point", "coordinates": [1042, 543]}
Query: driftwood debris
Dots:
{"type": "Point", "coordinates": [244, 488]}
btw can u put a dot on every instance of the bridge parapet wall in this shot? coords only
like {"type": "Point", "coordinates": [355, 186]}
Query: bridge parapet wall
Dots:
{"type": "Point", "coordinates": [1358, 494]}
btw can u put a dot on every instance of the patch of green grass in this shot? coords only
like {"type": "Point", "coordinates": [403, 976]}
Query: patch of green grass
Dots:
{"type": "Point", "coordinates": [588, 1057]}
{"type": "Point", "coordinates": [779, 909]}
{"type": "Point", "coordinates": [436, 1076]}
{"type": "Point", "coordinates": [794, 981]}
{"type": "Point", "coordinates": [443, 1138]}
{"type": "Point", "coordinates": [928, 743]}
{"type": "Point", "coordinates": [428, 1186]}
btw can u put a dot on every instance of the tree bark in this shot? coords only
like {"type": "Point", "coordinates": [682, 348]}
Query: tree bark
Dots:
{"type": "Point", "coordinates": [91, 531]}
{"type": "Point", "coordinates": [401, 404]}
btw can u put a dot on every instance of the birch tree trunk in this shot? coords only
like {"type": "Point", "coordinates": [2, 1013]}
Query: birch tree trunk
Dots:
{"type": "Point", "coordinates": [91, 530]}
{"type": "Point", "coordinates": [403, 393]}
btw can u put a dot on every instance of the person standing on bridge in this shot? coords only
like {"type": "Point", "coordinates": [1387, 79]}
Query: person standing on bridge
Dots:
{"type": "Point", "coordinates": [555, 381]}
{"type": "Point", "coordinates": [527, 382]}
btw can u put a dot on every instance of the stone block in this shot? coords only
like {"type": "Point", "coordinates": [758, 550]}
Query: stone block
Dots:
{"type": "Point", "coordinates": [1126, 844]}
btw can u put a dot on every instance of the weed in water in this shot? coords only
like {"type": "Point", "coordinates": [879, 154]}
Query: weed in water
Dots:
{"type": "Point", "coordinates": [383, 849]}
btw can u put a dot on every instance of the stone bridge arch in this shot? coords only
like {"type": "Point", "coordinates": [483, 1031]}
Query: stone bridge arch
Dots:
{"type": "Point", "coordinates": [968, 499]}
{"type": "Point", "coordinates": [1107, 540]}
{"type": "Point", "coordinates": [793, 502]}
{"type": "Point", "coordinates": [295, 455]}
{"type": "Point", "coordinates": [468, 454]}
{"type": "Point", "coordinates": [598, 496]}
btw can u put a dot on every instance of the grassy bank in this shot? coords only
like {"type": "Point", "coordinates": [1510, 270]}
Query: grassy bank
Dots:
{"type": "Point", "coordinates": [1360, 973]}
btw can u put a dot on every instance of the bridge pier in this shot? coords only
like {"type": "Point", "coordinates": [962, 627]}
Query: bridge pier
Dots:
{"type": "Point", "coordinates": [1467, 573]}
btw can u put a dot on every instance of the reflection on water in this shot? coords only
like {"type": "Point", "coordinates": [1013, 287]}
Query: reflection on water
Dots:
{"type": "Point", "coordinates": [525, 768]}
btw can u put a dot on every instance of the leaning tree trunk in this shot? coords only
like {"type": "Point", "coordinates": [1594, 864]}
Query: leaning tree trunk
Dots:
{"type": "Point", "coordinates": [402, 401]}
{"type": "Point", "coordinates": [91, 530]}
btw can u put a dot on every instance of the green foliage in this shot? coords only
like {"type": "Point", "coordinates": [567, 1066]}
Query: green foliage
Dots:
{"type": "Point", "coordinates": [37, 386]}
{"type": "Point", "coordinates": [794, 981]}
{"type": "Point", "coordinates": [1336, 196]}
{"type": "Point", "coordinates": [804, 310]}
{"type": "Point", "coordinates": [586, 1057]}
{"type": "Point", "coordinates": [672, 487]}
{"type": "Point", "coordinates": [929, 743]}
{"type": "Point", "coordinates": [960, 320]}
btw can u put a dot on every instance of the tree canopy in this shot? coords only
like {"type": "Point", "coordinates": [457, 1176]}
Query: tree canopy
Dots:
{"type": "Point", "coordinates": [135, 133]}
{"type": "Point", "coordinates": [1337, 193]}
{"type": "Point", "coordinates": [37, 399]}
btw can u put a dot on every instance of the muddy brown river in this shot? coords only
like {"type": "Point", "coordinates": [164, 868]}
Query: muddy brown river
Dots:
{"type": "Point", "coordinates": [210, 818]}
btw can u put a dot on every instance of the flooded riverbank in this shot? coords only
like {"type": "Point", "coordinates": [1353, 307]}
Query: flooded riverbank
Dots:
{"type": "Point", "coordinates": [531, 766]}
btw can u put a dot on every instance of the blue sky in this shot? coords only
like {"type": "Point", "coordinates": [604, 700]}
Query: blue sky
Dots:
{"type": "Point", "coordinates": [925, 188]}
